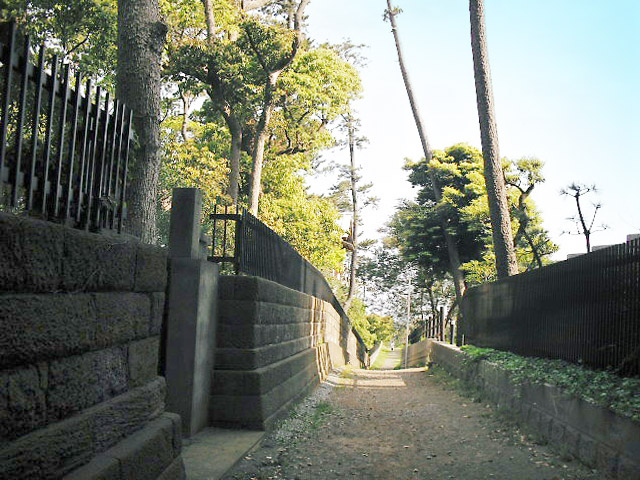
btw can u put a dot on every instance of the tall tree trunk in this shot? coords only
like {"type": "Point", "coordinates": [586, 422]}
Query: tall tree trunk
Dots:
{"type": "Point", "coordinates": [452, 248]}
{"type": "Point", "coordinates": [260, 140]}
{"type": "Point", "coordinates": [354, 213]}
{"type": "Point", "coordinates": [141, 37]}
{"type": "Point", "coordinates": [235, 128]}
{"type": "Point", "coordinates": [586, 231]}
{"type": "Point", "coordinates": [506, 263]}
{"type": "Point", "coordinates": [272, 75]}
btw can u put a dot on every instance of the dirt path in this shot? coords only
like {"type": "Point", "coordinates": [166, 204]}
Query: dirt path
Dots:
{"type": "Point", "coordinates": [401, 424]}
{"type": "Point", "coordinates": [393, 360]}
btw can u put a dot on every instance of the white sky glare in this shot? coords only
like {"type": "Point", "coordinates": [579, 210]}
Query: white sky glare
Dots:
{"type": "Point", "coordinates": [566, 79]}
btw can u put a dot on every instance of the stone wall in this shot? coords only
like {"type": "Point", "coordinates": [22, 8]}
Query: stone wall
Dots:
{"type": "Point", "coordinates": [418, 353]}
{"type": "Point", "coordinates": [595, 435]}
{"type": "Point", "coordinates": [274, 345]}
{"type": "Point", "coordinates": [80, 322]}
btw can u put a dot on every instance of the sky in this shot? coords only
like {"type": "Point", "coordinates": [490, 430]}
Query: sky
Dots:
{"type": "Point", "coordinates": [566, 78]}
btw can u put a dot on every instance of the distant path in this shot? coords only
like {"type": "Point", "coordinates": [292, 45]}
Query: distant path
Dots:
{"type": "Point", "coordinates": [403, 424]}
{"type": "Point", "coordinates": [393, 360]}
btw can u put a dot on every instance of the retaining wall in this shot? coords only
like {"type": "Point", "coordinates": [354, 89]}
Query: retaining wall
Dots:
{"type": "Point", "coordinates": [80, 321]}
{"type": "Point", "coordinates": [418, 353]}
{"type": "Point", "coordinates": [595, 435]}
{"type": "Point", "coordinates": [274, 345]}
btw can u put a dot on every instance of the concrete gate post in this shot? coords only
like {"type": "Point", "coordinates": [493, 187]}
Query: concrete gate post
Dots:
{"type": "Point", "coordinates": [191, 315]}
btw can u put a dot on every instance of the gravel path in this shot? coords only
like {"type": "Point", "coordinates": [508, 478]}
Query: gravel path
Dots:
{"type": "Point", "coordinates": [400, 424]}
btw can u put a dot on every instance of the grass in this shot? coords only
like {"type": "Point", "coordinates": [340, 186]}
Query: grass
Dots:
{"type": "Point", "coordinates": [321, 411]}
{"type": "Point", "coordinates": [384, 354]}
{"type": "Point", "coordinates": [382, 357]}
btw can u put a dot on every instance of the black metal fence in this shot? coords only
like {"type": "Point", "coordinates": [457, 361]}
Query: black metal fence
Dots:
{"type": "Point", "coordinates": [583, 310]}
{"type": "Point", "coordinates": [63, 150]}
{"type": "Point", "coordinates": [254, 249]}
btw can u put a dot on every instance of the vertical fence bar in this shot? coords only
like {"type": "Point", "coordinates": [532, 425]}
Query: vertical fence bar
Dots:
{"type": "Point", "coordinates": [91, 170]}
{"type": "Point", "coordinates": [53, 86]}
{"type": "Point", "coordinates": [239, 242]}
{"type": "Point", "coordinates": [85, 142]}
{"type": "Point", "coordinates": [35, 132]}
{"type": "Point", "coordinates": [60, 148]}
{"type": "Point", "coordinates": [103, 160]}
{"type": "Point", "coordinates": [72, 148]}
{"type": "Point", "coordinates": [116, 181]}
{"type": "Point", "coordinates": [224, 232]}
{"type": "Point", "coordinates": [24, 81]}
{"type": "Point", "coordinates": [108, 214]}
{"type": "Point", "coordinates": [8, 61]}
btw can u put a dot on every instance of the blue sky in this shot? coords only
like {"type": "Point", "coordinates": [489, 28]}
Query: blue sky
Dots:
{"type": "Point", "coordinates": [565, 74]}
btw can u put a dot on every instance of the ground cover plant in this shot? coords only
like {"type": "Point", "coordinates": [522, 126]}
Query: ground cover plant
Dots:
{"type": "Point", "coordinates": [598, 387]}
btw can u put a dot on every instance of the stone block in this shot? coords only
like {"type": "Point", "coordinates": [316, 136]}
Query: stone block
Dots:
{"type": "Point", "coordinates": [253, 358]}
{"type": "Point", "coordinates": [557, 432]}
{"type": "Point", "coordinates": [64, 446]}
{"type": "Point", "coordinates": [572, 441]}
{"type": "Point", "coordinates": [95, 262]}
{"type": "Point", "coordinates": [151, 268]}
{"type": "Point", "coordinates": [176, 423]}
{"type": "Point", "coordinates": [31, 252]}
{"type": "Point", "coordinates": [157, 313]}
{"type": "Point", "coordinates": [226, 284]}
{"type": "Point", "coordinates": [121, 317]}
{"type": "Point", "coordinates": [143, 360]}
{"type": "Point", "coordinates": [110, 366]}
{"type": "Point", "coordinates": [544, 425]}
{"type": "Point", "coordinates": [100, 468]}
{"type": "Point", "coordinates": [262, 380]}
{"type": "Point", "coordinates": [628, 469]}
{"type": "Point", "coordinates": [607, 461]}
{"type": "Point", "coordinates": [255, 411]}
{"type": "Point", "coordinates": [146, 453]}
{"type": "Point", "coordinates": [238, 312]}
{"type": "Point", "coordinates": [6, 419]}
{"type": "Point", "coordinates": [254, 336]}
{"type": "Point", "coordinates": [286, 396]}
{"type": "Point", "coordinates": [23, 399]}
{"type": "Point", "coordinates": [175, 471]}
{"type": "Point", "coordinates": [587, 451]}
{"type": "Point", "coordinates": [271, 313]}
{"type": "Point", "coordinates": [12, 274]}
{"type": "Point", "coordinates": [40, 327]}
{"type": "Point", "coordinates": [81, 381]}
{"type": "Point", "coordinates": [119, 417]}
{"type": "Point", "coordinates": [233, 287]}
{"type": "Point", "coordinates": [50, 452]}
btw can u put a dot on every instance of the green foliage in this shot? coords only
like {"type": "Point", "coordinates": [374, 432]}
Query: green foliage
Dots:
{"type": "Point", "coordinates": [82, 32]}
{"type": "Point", "coordinates": [417, 226]}
{"type": "Point", "coordinates": [372, 328]}
{"type": "Point", "coordinates": [600, 388]}
{"type": "Point", "coordinates": [309, 223]}
{"type": "Point", "coordinates": [193, 163]}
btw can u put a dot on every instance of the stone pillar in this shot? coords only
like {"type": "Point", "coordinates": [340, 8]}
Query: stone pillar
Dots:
{"type": "Point", "coordinates": [191, 314]}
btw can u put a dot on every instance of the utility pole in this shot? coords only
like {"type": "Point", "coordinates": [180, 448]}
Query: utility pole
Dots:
{"type": "Point", "coordinates": [406, 341]}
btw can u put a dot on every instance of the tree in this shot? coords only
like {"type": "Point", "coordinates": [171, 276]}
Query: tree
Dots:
{"type": "Point", "coordinates": [350, 196]}
{"type": "Point", "coordinates": [141, 37]}
{"type": "Point", "coordinates": [416, 226]}
{"type": "Point", "coordinates": [452, 249]}
{"type": "Point", "coordinates": [272, 68]}
{"type": "Point", "coordinates": [82, 32]}
{"type": "Point", "coordinates": [584, 226]}
{"type": "Point", "coordinates": [506, 262]}
{"type": "Point", "coordinates": [523, 175]}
